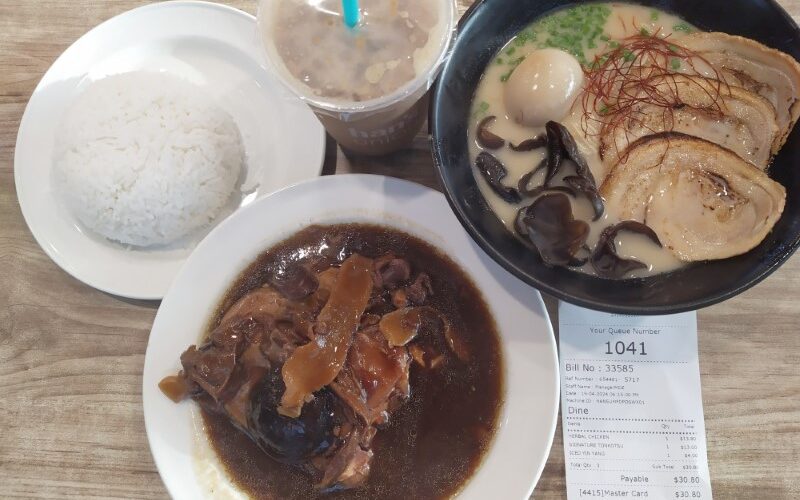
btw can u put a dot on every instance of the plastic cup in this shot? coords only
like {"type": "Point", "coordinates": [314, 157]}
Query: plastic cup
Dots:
{"type": "Point", "coordinates": [367, 85]}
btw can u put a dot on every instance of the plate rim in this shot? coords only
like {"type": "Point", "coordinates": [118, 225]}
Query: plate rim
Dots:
{"type": "Point", "coordinates": [372, 180]}
{"type": "Point", "coordinates": [24, 133]}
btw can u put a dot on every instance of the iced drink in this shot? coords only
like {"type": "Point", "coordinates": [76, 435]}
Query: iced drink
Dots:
{"type": "Point", "coordinates": [368, 85]}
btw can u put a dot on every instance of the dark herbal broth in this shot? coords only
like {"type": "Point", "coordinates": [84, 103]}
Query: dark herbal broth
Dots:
{"type": "Point", "coordinates": [436, 441]}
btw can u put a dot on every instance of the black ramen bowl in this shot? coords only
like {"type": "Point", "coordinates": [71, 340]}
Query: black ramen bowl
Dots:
{"type": "Point", "coordinates": [486, 28]}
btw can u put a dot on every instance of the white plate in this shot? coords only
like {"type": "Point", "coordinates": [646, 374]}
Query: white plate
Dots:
{"type": "Point", "coordinates": [528, 418]}
{"type": "Point", "coordinates": [214, 46]}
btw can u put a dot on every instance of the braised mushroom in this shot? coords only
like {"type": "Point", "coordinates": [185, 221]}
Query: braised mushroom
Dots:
{"type": "Point", "coordinates": [291, 440]}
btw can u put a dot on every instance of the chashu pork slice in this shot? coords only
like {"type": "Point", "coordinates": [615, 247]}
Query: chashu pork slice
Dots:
{"type": "Point", "coordinates": [702, 200]}
{"type": "Point", "coordinates": [730, 116]}
{"type": "Point", "coordinates": [749, 64]}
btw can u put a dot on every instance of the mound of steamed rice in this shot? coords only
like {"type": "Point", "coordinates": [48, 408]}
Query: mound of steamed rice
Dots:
{"type": "Point", "coordinates": [146, 159]}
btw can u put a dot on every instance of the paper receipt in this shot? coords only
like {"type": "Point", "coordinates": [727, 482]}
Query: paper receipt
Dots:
{"type": "Point", "coordinates": [632, 410]}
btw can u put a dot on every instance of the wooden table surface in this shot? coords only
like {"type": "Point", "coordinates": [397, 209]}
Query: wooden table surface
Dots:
{"type": "Point", "coordinates": [71, 357]}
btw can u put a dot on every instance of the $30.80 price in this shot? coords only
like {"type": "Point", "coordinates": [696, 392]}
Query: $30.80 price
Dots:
{"type": "Point", "coordinates": [687, 480]}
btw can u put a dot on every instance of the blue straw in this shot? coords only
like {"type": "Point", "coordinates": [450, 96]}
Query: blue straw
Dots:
{"type": "Point", "coordinates": [351, 14]}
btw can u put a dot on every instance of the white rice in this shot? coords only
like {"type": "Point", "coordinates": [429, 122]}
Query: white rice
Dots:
{"type": "Point", "coordinates": [146, 159]}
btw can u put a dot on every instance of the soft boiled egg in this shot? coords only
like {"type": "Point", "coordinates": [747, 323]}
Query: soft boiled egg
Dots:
{"type": "Point", "coordinates": [543, 87]}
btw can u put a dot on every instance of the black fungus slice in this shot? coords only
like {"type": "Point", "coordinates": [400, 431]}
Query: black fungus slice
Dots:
{"type": "Point", "coordinates": [494, 172]}
{"type": "Point", "coordinates": [559, 138]}
{"type": "Point", "coordinates": [570, 151]}
{"type": "Point", "coordinates": [581, 257]}
{"type": "Point", "coordinates": [537, 142]}
{"type": "Point", "coordinates": [522, 186]}
{"type": "Point", "coordinates": [521, 231]}
{"type": "Point", "coordinates": [605, 260]}
{"type": "Point", "coordinates": [552, 189]}
{"type": "Point", "coordinates": [588, 189]}
{"type": "Point", "coordinates": [551, 227]}
{"type": "Point", "coordinates": [555, 151]}
{"type": "Point", "coordinates": [519, 224]}
{"type": "Point", "coordinates": [487, 139]}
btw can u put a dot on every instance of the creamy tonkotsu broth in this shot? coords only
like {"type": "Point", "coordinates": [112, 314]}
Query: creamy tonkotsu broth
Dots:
{"type": "Point", "coordinates": [585, 32]}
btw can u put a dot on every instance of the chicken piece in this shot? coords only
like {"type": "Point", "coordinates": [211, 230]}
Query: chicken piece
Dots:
{"type": "Point", "coordinates": [375, 373]}
{"type": "Point", "coordinates": [262, 304]}
{"type": "Point", "coordinates": [415, 294]}
{"type": "Point", "coordinates": [401, 326]}
{"type": "Point", "coordinates": [391, 272]}
{"type": "Point", "coordinates": [349, 466]}
{"type": "Point", "coordinates": [419, 291]}
{"type": "Point", "coordinates": [327, 279]}
{"type": "Point", "coordinates": [293, 281]}
{"type": "Point", "coordinates": [211, 366]}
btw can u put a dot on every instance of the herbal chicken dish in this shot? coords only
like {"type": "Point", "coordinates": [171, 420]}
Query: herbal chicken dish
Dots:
{"type": "Point", "coordinates": [351, 361]}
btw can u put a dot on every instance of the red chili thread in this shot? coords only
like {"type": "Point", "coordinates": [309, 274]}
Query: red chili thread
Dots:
{"type": "Point", "coordinates": [640, 70]}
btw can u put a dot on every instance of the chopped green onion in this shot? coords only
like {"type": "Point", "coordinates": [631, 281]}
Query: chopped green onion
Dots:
{"type": "Point", "coordinates": [654, 15]}
{"type": "Point", "coordinates": [683, 27]}
{"type": "Point", "coordinates": [643, 31]}
{"type": "Point", "coordinates": [572, 30]}
{"type": "Point", "coordinates": [675, 63]}
{"type": "Point", "coordinates": [514, 63]}
{"type": "Point", "coordinates": [600, 61]}
{"type": "Point", "coordinates": [628, 56]}
{"type": "Point", "coordinates": [480, 109]}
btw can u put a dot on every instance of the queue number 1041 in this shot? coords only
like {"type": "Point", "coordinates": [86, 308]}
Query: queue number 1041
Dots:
{"type": "Point", "coordinates": [619, 347]}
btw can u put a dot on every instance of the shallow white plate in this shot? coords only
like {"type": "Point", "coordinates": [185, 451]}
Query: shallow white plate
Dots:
{"type": "Point", "coordinates": [528, 418]}
{"type": "Point", "coordinates": [214, 46]}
